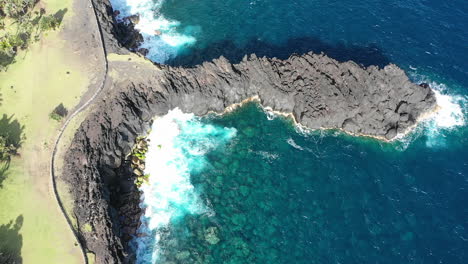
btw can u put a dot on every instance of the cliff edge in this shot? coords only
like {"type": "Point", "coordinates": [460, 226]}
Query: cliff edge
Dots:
{"type": "Point", "coordinates": [319, 92]}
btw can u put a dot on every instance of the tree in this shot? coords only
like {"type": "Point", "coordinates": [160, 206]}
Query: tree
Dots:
{"type": "Point", "coordinates": [16, 8]}
{"type": "Point", "coordinates": [49, 22]}
{"type": "Point", "coordinates": [22, 25]}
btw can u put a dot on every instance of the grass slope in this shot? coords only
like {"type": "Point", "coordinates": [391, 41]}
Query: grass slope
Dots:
{"type": "Point", "coordinates": [31, 88]}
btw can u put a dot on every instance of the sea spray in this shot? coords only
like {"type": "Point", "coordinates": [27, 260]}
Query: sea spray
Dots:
{"type": "Point", "coordinates": [177, 148]}
{"type": "Point", "coordinates": [451, 113]}
{"type": "Point", "coordinates": [328, 201]}
{"type": "Point", "coordinates": [162, 37]}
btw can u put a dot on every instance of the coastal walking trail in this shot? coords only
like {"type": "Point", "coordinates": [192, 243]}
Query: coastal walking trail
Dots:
{"type": "Point", "coordinates": [79, 108]}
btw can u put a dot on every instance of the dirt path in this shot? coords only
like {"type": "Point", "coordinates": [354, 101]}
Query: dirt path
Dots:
{"type": "Point", "coordinates": [78, 109]}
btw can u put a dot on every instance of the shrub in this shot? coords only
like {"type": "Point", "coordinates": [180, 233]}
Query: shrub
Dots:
{"type": "Point", "coordinates": [6, 149]}
{"type": "Point", "coordinates": [49, 22]}
{"type": "Point", "coordinates": [59, 112]}
{"type": "Point", "coordinates": [55, 116]}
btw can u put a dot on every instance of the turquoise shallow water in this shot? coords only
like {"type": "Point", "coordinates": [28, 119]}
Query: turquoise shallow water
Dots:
{"type": "Point", "coordinates": [248, 188]}
{"type": "Point", "coordinates": [266, 193]}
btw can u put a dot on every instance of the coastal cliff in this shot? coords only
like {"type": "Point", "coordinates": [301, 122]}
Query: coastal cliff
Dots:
{"type": "Point", "coordinates": [318, 91]}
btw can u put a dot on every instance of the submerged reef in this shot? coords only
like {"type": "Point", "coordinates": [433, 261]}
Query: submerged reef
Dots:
{"type": "Point", "coordinates": [318, 91]}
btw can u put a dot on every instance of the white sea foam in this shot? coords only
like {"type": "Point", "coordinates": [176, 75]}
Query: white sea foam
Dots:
{"type": "Point", "coordinates": [171, 38]}
{"type": "Point", "coordinates": [177, 145]}
{"type": "Point", "coordinates": [294, 144]}
{"type": "Point", "coordinates": [450, 114]}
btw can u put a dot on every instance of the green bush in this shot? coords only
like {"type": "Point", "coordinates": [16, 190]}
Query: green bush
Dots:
{"type": "Point", "coordinates": [59, 112]}
{"type": "Point", "coordinates": [49, 22]}
{"type": "Point", "coordinates": [6, 149]}
{"type": "Point", "coordinates": [55, 116]}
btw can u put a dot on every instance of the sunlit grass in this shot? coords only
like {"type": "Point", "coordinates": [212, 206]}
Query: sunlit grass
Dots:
{"type": "Point", "coordinates": [40, 79]}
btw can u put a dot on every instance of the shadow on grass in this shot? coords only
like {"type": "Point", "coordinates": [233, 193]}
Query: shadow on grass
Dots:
{"type": "Point", "coordinates": [11, 242]}
{"type": "Point", "coordinates": [59, 15]}
{"type": "Point", "coordinates": [363, 55]}
{"type": "Point", "coordinates": [5, 61]}
{"type": "Point", "coordinates": [12, 131]}
{"type": "Point", "coordinates": [4, 165]}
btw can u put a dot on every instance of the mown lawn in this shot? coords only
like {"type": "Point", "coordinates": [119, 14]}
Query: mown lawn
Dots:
{"type": "Point", "coordinates": [40, 79]}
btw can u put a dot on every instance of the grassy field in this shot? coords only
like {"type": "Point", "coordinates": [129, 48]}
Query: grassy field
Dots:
{"type": "Point", "coordinates": [40, 79]}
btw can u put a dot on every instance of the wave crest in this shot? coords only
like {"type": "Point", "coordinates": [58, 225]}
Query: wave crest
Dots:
{"type": "Point", "coordinates": [177, 145]}
{"type": "Point", "coordinates": [162, 36]}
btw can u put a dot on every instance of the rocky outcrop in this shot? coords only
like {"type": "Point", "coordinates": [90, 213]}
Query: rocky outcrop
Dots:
{"type": "Point", "coordinates": [317, 90]}
{"type": "Point", "coordinates": [119, 36]}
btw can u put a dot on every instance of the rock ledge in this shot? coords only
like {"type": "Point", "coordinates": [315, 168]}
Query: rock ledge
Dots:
{"type": "Point", "coordinates": [319, 92]}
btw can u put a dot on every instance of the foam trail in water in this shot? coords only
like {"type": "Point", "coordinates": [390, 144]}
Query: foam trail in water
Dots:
{"type": "Point", "coordinates": [177, 145]}
{"type": "Point", "coordinates": [162, 37]}
{"type": "Point", "coordinates": [293, 144]}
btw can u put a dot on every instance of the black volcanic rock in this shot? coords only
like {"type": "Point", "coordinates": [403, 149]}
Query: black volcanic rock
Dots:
{"type": "Point", "coordinates": [320, 92]}
{"type": "Point", "coordinates": [119, 36]}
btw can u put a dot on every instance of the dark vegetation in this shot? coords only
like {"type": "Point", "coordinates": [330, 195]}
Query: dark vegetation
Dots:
{"type": "Point", "coordinates": [59, 112]}
{"type": "Point", "coordinates": [11, 136]}
{"type": "Point", "coordinates": [11, 242]}
{"type": "Point", "coordinates": [21, 23]}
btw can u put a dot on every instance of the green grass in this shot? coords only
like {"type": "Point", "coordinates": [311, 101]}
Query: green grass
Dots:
{"type": "Point", "coordinates": [87, 227]}
{"type": "Point", "coordinates": [31, 88]}
{"type": "Point", "coordinates": [53, 6]}
{"type": "Point", "coordinates": [44, 237]}
{"type": "Point", "coordinates": [91, 257]}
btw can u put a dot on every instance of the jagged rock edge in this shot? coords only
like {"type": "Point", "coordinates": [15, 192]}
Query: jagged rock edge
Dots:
{"type": "Point", "coordinates": [317, 90]}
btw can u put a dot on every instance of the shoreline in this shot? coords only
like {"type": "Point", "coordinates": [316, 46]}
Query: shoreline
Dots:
{"type": "Point", "coordinates": [95, 162]}
{"type": "Point", "coordinates": [256, 99]}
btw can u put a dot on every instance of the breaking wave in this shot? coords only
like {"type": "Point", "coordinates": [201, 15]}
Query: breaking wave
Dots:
{"type": "Point", "coordinates": [163, 38]}
{"type": "Point", "coordinates": [177, 147]}
{"type": "Point", "coordinates": [451, 113]}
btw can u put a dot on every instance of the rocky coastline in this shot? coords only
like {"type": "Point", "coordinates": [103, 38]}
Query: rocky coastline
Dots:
{"type": "Point", "coordinates": [318, 91]}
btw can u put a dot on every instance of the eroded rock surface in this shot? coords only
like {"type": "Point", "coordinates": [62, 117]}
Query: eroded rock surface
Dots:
{"type": "Point", "coordinates": [319, 91]}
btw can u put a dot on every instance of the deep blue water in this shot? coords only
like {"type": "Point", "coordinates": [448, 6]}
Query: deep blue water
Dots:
{"type": "Point", "coordinates": [269, 194]}
{"type": "Point", "coordinates": [431, 36]}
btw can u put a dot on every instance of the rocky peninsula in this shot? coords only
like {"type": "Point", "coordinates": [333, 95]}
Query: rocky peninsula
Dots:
{"type": "Point", "coordinates": [318, 91]}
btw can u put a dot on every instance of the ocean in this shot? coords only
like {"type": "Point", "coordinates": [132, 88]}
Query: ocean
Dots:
{"type": "Point", "coordinates": [251, 187]}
